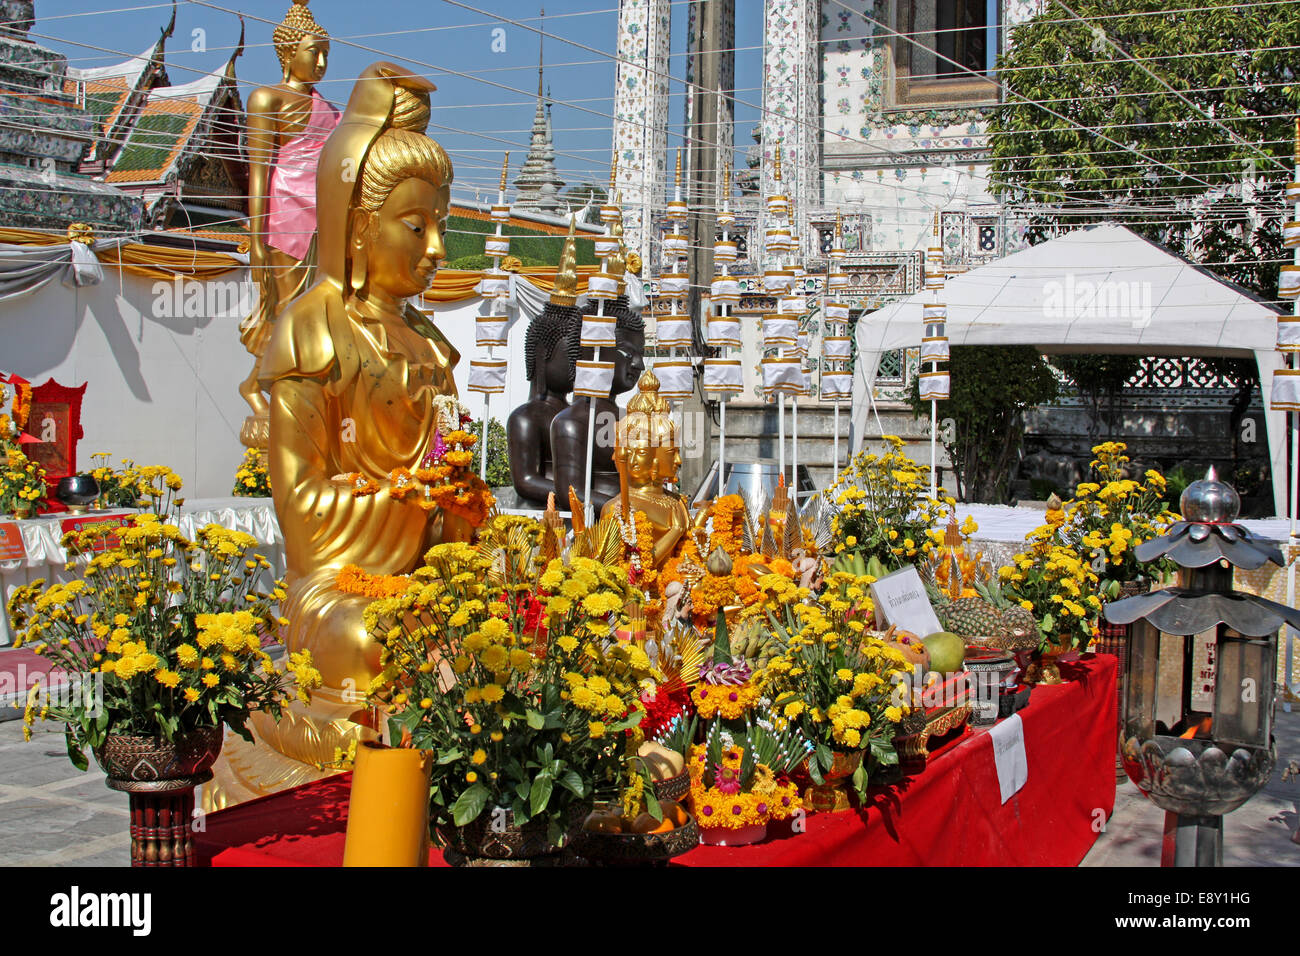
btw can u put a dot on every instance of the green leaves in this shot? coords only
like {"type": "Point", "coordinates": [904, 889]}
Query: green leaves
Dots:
{"type": "Point", "coordinates": [540, 794]}
{"type": "Point", "coordinates": [469, 805]}
{"type": "Point", "coordinates": [721, 642]}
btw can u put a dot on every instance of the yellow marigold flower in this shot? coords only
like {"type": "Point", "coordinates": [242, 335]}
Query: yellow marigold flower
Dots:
{"type": "Point", "coordinates": [479, 758]}
{"type": "Point", "coordinates": [492, 693]}
{"type": "Point", "coordinates": [596, 729]}
{"type": "Point", "coordinates": [191, 694]}
{"type": "Point", "coordinates": [567, 643]}
{"type": "Point", "coordinates": [520, 659]}
{"type": "Point", "coordinates": [210, 680]}
{"type": "Point", "coordinates": [471, 777]}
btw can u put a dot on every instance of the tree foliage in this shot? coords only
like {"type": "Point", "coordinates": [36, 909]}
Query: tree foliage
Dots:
{"type": "Point", "coordinates": [992, 386]}
{"type": "Point", "coordinates": [1127, 140]}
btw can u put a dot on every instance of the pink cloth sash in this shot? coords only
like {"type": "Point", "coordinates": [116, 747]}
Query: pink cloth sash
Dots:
{"type": "Point", "coordinates": [291, 203]}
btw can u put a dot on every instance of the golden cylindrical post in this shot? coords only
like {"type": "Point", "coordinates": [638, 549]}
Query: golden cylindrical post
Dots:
{"type": "Point", "coordinates": [388, 808]}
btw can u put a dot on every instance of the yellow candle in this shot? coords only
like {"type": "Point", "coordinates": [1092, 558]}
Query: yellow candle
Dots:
{"type": "Point", "coordinates": [388, 808]}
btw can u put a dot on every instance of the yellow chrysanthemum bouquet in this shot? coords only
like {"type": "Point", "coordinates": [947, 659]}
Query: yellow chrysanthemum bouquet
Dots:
{"type": "Point", "coordinates": [159, 636]}
{"type": "Point", "coordinates": [253, 478]}
{"type": "Point", "coordinates": [882, 511]}
{"type": "Point", "coordinates": [1084, 551]}
{"type": "Point", "coordinates": [505, 668]}
{"type": "Point", "coordinates": [136, 486]}
{"type": "Point", "coordinates": [1111, 515]}
{"type": "Point", "coordinates": [837, 684]}
{"type": "Point", "coordinates": [22, 481]}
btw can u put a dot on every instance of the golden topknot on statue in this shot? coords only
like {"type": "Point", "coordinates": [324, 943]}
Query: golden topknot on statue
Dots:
{"type": "Point", "coordinates": [649, 422]}
{"type": "Point", "coordinates": [297, 24]}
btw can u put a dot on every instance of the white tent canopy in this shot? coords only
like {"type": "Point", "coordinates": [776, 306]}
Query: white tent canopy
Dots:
{"type": "Point", "coordinates": [1099, 289]}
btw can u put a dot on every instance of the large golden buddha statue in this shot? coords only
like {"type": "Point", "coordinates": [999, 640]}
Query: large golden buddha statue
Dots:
{"type": "Point", "coordinates": [646, 455]}
{"type": "Point", "coordinates": [356, 379]}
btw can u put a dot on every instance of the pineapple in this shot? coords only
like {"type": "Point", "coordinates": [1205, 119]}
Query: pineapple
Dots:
{"type": "Point", "coordinates": [972, 617]}
{"type": "Point", "coordinates": [991, 618]}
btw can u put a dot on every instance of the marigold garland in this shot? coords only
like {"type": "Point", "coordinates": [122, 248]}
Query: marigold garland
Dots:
{"type": "Point", "coordinates": [721, 700]}
{"type": "Point", "coordinates": [352, 579]}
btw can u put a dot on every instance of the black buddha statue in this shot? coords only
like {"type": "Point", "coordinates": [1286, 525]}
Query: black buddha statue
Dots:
{"type": "Point", "coordinates": [551, 353]}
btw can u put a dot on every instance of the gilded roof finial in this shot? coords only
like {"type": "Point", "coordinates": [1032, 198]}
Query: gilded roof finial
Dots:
{"type": "Point", "coordinates": [566, 275]}
{"type": "Point", "coordinates": [776, 171]}
{"type": "Point", "coordinates": [505, 168]}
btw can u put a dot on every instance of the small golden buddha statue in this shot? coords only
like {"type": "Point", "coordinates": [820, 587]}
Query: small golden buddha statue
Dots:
{"type": "Point", "coordinates": [646, 456]}
{"type": "Point", "coordinates": [287, 125]}
{"type": "Point", "coordinates": [357, 380]}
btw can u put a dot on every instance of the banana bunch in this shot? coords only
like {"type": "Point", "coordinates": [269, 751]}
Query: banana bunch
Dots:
{"type": "Point", "coordinates": [755, 644]}
{"type": "Point", "coordinates": [854, 563]}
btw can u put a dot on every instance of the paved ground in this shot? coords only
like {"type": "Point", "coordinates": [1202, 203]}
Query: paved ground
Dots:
{"type": "Point", "coordinates": [53, 815]}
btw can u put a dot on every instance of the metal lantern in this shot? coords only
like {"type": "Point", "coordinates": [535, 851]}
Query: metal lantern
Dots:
{"type": "Point", "coordinates": [1198, 710]}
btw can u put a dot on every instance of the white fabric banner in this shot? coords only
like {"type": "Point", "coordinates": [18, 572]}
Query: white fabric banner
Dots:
{"type": "Point", "coordinates": [837, 348]}
{"type": "Point", "coordinates": [779, 332]}
{"type": "Point", "coordinates": [777, 281]}
{"type": "Point", "coordinates": [488, 377]}
{"type": "Point", "coordinates": [723, 375]}
{"type": "Point", "coordinates": [491, 330]}
{"type": "Point", "coordinates": [602, 285]}
{"type": "Point", "coordinates": [598, 330]}
{"type": "Point", "coordinates": [723, 330]}
{"type": "Point", "coordinates": [934, 349]}
{"type": "Point", "coordinates": [594, 378]}
{"type": "Point", "coordinates": [674, 332]}
{"type": "Point", "coordinates": [934, 386]}
{"type": "Point", "coordinates": [676, 379]}
{"type": "Point", "coordinates": [1288, 333]}
{"type": "Point", "coordinates": [782, 376]}
{"type": "Point", "coordinates": [1288, 282]}
{"type": "Point", "coordinates": [725, 290]}
{"type": "Point", "coordinates": [674, 284]}
{"type": "Point", "coordinates": [1286, 390]}
{"type": "Point", "coordinates": [836, 386]}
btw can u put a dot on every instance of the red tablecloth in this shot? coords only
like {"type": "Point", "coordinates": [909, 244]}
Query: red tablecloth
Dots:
{"type": "Point", "coordinates": [949, 815]}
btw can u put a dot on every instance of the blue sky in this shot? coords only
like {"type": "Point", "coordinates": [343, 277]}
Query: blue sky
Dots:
{"type": "Point", "coordinates": [485, 100]}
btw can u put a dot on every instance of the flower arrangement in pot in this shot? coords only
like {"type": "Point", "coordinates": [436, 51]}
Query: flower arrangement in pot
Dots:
{"type": "Point", "coordinates": [161, 641]}
{"type": "Point", "coordinates": [502, 666]}
{"type": "Point", "coordinates": [882, 514]}
{"type": "Point", "coordinates": [253, 477]}
{"type": "Point", "coordinates": [835, 682]}
{"type": "Point", "coordinates": [1083, 555]}
{"type": "Point", "coordinates": [22, 483]}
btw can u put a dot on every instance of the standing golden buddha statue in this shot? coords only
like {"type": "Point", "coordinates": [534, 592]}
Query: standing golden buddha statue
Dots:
{"type": "Point", "coordinates": [647, 456]}
{"type": "Point", "coordinates": [357, 380]}
{"type": "Point", "coordinates": [287, 125]}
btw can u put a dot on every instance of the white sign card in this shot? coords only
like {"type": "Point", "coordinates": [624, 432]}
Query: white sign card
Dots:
{"type": "Point", "coordinates": [900, 599]}
{"type": "Point", "coordinates": [1008, 739]}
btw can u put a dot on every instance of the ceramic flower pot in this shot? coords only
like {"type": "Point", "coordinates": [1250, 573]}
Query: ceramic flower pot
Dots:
{"type": "Point", "coordinates": [733, 836]}
{"type": "Point", "coordinates": [833, 794]}
{"type": "Point", "coordinates": [160, 776]}
{"type": "Point", "coordinates": [494, 839]}
{"type": "Point", "coordinates": [1044, 668]}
